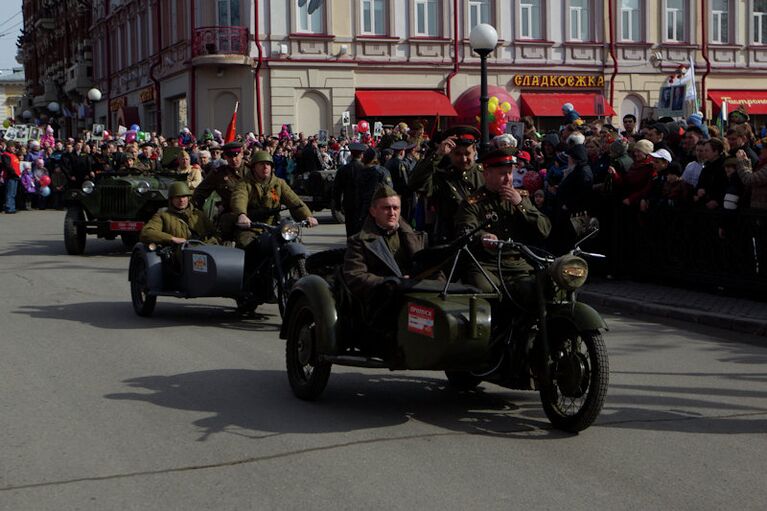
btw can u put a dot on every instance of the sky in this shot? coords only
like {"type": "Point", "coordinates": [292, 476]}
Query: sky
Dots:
{"type": "Point", "coordinates": [10, 27]}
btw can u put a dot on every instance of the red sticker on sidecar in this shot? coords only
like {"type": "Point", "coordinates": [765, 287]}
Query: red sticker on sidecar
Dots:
{"type": "Point", "coordinates": [420, 320]}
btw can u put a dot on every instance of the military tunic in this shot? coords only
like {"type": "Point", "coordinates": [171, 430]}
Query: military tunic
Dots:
{"type": "Point", "coordinates": [168, 223]}
{"type": "Point", "coordinates": [222, 180]}
{"type": "Point", "coordinates": [522, 222]}
{"type": "Point", "coordinates": [253, 197]}
{"type": "Point", "coordinates": [344, 192]}
{"type": "Point", "coordinates": [147, 165]}
{"type": "Point", "coordinates": [446, 188]}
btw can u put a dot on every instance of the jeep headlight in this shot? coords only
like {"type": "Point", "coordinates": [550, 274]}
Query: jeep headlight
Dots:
{"type": "Point", "coordinates": [569, 272]}
{"type": "Point", "coordinates": [88, 187]}
{"type": "Point", "coordinates": [290, 231]}
{"type": "Point", "coordinates": [142, 187]}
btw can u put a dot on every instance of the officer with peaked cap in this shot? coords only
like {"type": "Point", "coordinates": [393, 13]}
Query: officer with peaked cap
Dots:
{"type": "Point", "coordinates": [400, 175]}
{"type": "Point", "coordinates": [447, 186]}
{"type": "Point", "coordinates": [344, 192]}
{"type": "Point", "coordinates": [366, 182]}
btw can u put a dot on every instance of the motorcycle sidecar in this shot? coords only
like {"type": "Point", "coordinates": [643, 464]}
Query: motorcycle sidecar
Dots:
{"type": "Point", "coordinates": [206, 271]}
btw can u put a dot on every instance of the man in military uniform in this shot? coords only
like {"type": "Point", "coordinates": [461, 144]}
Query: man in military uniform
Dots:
{"type": "Point", "coordinates": [400, 175]}
{"type": "Point", "coordinates": [517, 219]}
{"type": "Point", "coordinates": [365, 184]}
{"type": "Point", "coordinates": [263, 192]}
{"type": "Point", "coordinates": [344, 193]}
{"type": "Point", "coordinates": [447, 187]}
{"type": "Point", "coordinates": [223, 180]}
{"type": "Point", "coordinates": [145, 162]}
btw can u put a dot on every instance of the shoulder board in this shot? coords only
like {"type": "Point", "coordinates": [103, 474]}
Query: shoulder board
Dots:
{"type": "Point", "coordinates": [476, 197]}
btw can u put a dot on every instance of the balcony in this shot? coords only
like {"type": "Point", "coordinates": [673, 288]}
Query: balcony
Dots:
{"type": "Point", "coordinates": [220, 45]}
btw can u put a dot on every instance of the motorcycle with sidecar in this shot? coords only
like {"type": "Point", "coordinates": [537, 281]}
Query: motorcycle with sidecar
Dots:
{"type": "Point", "coordinates": [196, 270]}
{"type": "Point", "coordinates": [554, 346]}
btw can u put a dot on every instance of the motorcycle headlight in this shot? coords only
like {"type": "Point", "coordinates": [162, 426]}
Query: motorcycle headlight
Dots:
{"type": "Point", "coordinates": [290, 231]}
{"type": "Point", "coordinates": [142, 187]}
{"type": "Point", "coordinates": [88, 187]}
{"type": "Point", "coordinates": [569, 272]}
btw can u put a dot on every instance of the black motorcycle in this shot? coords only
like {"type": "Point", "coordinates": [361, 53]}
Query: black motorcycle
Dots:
{"type": "Point", "coordinates": [262, 274]}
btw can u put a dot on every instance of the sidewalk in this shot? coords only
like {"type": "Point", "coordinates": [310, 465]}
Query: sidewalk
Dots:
{"type": "Point", "coordinates": [737, 314]}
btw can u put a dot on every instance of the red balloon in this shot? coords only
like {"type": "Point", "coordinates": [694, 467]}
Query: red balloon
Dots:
{"type": "Point", "coordinates": [45, 180]}
{"type": "Point", "coordinates": [363, 126]}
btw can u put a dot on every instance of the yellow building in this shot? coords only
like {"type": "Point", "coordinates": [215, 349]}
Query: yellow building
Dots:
{"type": "Point", "coordinates": [11, 91]}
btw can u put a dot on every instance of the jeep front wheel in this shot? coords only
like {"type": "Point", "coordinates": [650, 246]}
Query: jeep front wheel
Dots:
{"type": "Point", "coordinates": [74, 231]}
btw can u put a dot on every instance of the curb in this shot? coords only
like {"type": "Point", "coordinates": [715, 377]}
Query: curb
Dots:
{"type": "Point", "coordinates": [737, 324]}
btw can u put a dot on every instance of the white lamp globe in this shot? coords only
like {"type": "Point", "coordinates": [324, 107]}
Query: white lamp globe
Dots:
{"type": "Point", "coordinates": [26, 114]}
{"type": "Point", "coordinates": [483, 37]}
{"type": "Point", "coordinates": [53, 106]}
{"type": "Point", "coordinates": [94, 94]}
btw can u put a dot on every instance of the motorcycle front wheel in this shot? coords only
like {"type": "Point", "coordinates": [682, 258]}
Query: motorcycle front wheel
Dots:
{"type": "Point", "coordinates": [579, 378]}
{"type": "Point", "coordinates": [291, 276]}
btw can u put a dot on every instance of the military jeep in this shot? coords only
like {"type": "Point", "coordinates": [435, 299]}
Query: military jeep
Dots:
{"type": "Point", "coordinates": [111, 205]}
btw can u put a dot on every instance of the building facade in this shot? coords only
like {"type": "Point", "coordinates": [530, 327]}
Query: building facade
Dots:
{"type": "Point", "coordinates": [167, 64]}
{"type": "Point", "coordinates": [11, 91]}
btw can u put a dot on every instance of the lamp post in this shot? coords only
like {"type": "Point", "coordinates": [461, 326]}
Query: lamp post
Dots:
{"type": "Point", "coordinates": [483, 39]}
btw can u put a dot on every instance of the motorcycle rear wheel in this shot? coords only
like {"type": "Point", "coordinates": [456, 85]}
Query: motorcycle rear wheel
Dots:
{"type": "Point", "coordinates": [580, 375]}
{"type": "Point", "coordinates": [307, 377]}
{"type": "Point", "coordinates": [143, 303]}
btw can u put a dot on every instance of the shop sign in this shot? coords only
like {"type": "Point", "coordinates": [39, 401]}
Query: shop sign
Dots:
{"type": "Point", "coordinates": [118, 103]}
{"type": "Point", "coordinates": [560, 81]}
{"type": "Point", "coordinates": [146, 94]}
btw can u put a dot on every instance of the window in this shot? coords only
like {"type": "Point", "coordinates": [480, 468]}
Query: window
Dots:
{"type": "Point", "coordinates": [530, 19]}
{"type": "Point", "coordinates": [675, 20]}
{"type": "Point", "coordinates": [426, 18]}
{"type": "Point", "coordinates": [760, 22]}
{"type": "Point", "coordinates": [580, 20]}
{"type": "Point", "coordinates": [311, 23]}
{"type": "Point", "coordinates": [229, 13]}
{"type": "Point", "coordinates": [631, 17]}
{"type": "Point", "coordinates": [479, 12]}
{"type": "Point", "coordinates": [374, 17]}
{"type": "Point", "coordinates": [720, 28]}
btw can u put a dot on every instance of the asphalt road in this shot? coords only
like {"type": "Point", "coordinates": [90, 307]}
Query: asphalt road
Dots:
{"type": "Point", "coordinates": [191, 409]}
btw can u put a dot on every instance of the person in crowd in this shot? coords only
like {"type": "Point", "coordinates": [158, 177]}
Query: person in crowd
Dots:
{"type": "Point", "coordinates": [400, 175]}
{"type": "Point", "coordinates": [629, 125]}
{"type": "Point", "coordinates": [738, 138]}
{"type": "Point", "coordinates": [11, 174]}
{"type": "Point", "coordinates": [713, 179]}
{"type": "Point", "coordinates": [146, 161]}
{"type": "Point", "coordinates": [755, 179]}
{"type": "Point", "coordinates": [366, 182]}
{"type": "Point", "coordinates": [448, 186]}
{"type": "Point", "coordinates": [193, 172]}
{"type": "Point", "coordinates": [657, 134]}
{"type": "Point", "coordinates": [58, 186]}
{"type": "Point", "coordinates": [637, 183]}
{"type": "Point", "coordinates": [344, 187]}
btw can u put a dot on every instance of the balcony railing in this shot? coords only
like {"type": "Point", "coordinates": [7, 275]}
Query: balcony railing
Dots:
{"type": "Point", "coordinates": [220, 41]}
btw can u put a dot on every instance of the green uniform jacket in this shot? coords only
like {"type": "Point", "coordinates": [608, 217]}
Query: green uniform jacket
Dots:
{"type": "Point", "coordinates": [222, 180]}
{"type": "Point", "coordinates": [251, 196]}
{"type": "Point", "coordinates": [168, 223]}
{"type": "Point", "coordinates": [521, 223]}
{"type": "Point", "coordinates": [446, 189]}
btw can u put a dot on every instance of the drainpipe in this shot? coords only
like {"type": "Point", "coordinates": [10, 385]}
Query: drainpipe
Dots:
{"type": "Point", "coordinates": [192, 73]}
{"type": "Point", "coordinates": [108, 58]}
{"type": "Point", "coordinates": [456, 64]}
{"type": "Point", "coordinates": [259, 115]}
{"type": "Point", "coordinates": [704, 52]}
{"type": "Point", "coordinates": [612, 51]}
{"type": "Point", "coordinates": [158, 43]}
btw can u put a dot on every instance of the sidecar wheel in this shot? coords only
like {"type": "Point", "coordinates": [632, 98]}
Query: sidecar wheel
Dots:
{"type": "Point", "coordinates": [306, 375]}
{"type": "Point", "coordinates": [462, 380]}
{"type": "Point", "coordinates": [282, 290]}
{"type": "Point", "coordinates": [580, 374]}
{"type": "Point", "coordinates": [143, 304]}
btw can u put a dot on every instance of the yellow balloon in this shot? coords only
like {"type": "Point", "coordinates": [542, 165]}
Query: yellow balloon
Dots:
{"type": "Point", "coordinates": [492, 107]}
{"type": "Point", "coordinates": [493, 100]}
{"type": "Point", "coordinates": [505, 106]}
{"type": "Point", "coordinates": [6, 123]}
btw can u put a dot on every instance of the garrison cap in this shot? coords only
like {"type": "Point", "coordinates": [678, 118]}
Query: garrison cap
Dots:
{"type": "Point", "coordinates": [500, 157]}
{"type": "Point", "coordinates": [465, 135]}
{"type": "Point", "coordinates": [232, 148]}
{"type": "Point", "coordinates": [383, 191]}
{"type": "Point", "coordinates": [357, 147]}
{"type": "Point", "coordinates": [179, 189]}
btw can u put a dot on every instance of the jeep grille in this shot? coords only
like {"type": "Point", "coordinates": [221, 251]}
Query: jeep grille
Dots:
{"type": "Point", "coordinates": [114, 199]}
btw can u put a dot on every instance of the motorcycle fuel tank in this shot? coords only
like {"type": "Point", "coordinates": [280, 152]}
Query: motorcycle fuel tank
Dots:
{"type": "Point", "coordinates": [210, 270]}
{"type": "Point", "coordinates": [450, 333]}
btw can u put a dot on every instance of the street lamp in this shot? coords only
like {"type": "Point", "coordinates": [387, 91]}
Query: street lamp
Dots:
{"type": "Point", "coordinates": [483, 39]}
{"type": "Point", "coordinates": [53, 107]}
{"type": "Point", "coordinates": [94, 95]}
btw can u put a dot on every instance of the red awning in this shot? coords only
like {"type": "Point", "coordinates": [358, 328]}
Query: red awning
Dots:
{"type": "Point", "coordinates": [754, 100]}
{"type": "Point", "coordinates": [550, 105]}
{"type": "Point", "coordinates": [403, 103]}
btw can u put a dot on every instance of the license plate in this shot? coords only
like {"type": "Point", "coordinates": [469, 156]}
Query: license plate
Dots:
{"type": "Point", "coordinates": [306, 198]}
{"type": "Point", "coordinates": [125, 226]}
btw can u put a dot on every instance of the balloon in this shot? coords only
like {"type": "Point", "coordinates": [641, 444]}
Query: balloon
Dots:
{"type": "Point", "coordinates": [45, 181]}
{"type": "Point", "coordinates": [6, 123]}
{"type": "Point", "coordinates": [45, 191]}
{"type": "Point", "coordinates": [134, 127]}
{"type": "Point", "coordinates": [493, 100]}
{"type": "Point", "coordinates": [492, 107]}
{"type": "Point", "coordinates": [491, 117]}
{"type": "Point", "coordinates": [363, 126]}
{"type": "Point", "coordinates": [130, 136]}
{"type": "Point", "coordinates": [505, 106]}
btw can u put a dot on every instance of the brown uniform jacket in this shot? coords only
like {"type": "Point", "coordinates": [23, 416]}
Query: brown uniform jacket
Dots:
{"type": "Point", "coordinates": [168, 223]}
{"type": "Point", "coordinates": [250, 197]}
{"type": "Point", "coordinates": [369, 262]}
{"type": "Point", "coordinates": [222, 180]}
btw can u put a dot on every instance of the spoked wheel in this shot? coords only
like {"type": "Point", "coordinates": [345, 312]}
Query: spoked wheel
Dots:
{"type": "Point", "coordinates": [306, 375]}
{"type": "Point", "coordinates": [143, 303]}
{"type": "Point", "coordinates": [462, 380]}
{"type": "Point", "coordinates": [580, 374]}
{"type": "Point", "coordinates": [290, 277]}
{"type": "Point", "coordinates": [74, 231]}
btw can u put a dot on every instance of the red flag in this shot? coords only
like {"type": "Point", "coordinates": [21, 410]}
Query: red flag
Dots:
{"type": "Point", "coordinates": [231, 130]}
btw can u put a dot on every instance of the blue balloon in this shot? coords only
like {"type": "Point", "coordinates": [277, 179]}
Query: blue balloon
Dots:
{"type": "Point", "coordinates": [135, 127]}
{"type": "Point", "coordinates": [45, 191]}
